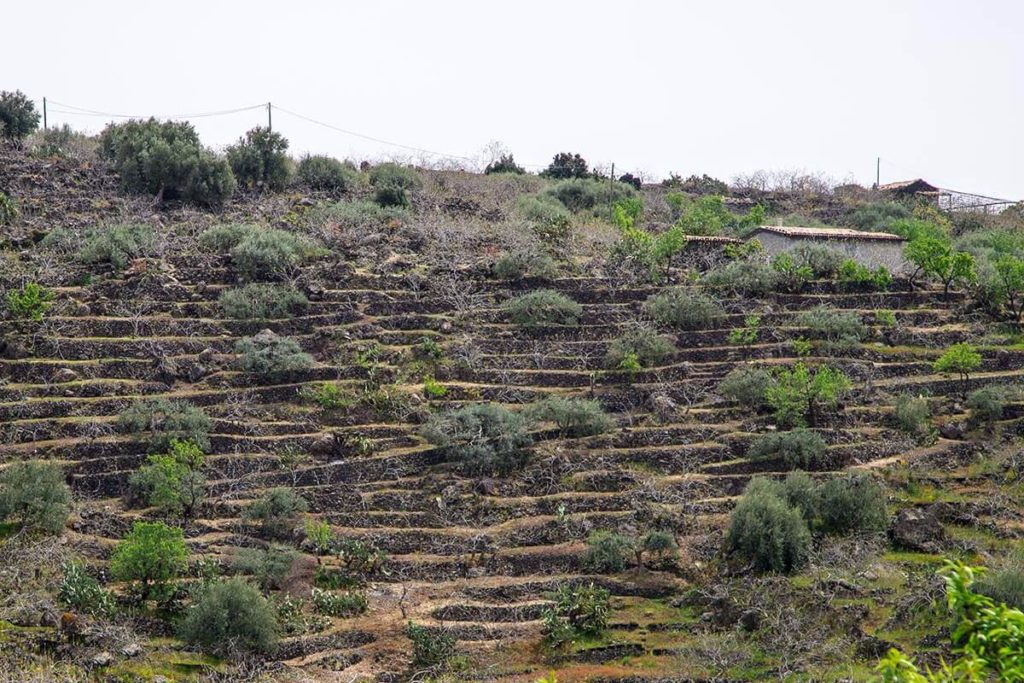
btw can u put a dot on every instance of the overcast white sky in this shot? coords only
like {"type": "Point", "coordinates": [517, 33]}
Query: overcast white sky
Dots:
{"type": "Point", "coordinates": [934, 87]}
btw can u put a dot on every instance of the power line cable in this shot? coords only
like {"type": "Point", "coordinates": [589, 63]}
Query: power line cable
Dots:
{"type": "Point", "coordinates": [83, 111]}
{"type": "Point", "coordinates": [372, 138]}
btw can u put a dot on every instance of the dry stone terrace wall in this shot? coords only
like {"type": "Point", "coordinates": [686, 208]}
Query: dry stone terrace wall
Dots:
{"type": "Point", "coordinates": [480, 553]}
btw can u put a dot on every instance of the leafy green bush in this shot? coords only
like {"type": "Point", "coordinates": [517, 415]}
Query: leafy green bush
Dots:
{"type": "Point", "coordinates": [431, 647]}
{"type": "Point", "coordinates": [392, 182]}
{"type": "Point", "coordinates": [260, 159]}
{"type": "Point", "coordinates": [506, 163]}
{"type": "Point", "coordinates": [607, 552]}
{"type": "Point", "coordinates": [326, 173]}
{"type": "Point", "coordinates": [117, 245]}
{"type": "Point", "coordinates": [483, 437]}
{"type": "Point", "coordinates": [165, 421]}
{"type": "Point", "coordinates": [747, 385]}
{"type": "Point", "coordinates": [152, 555]}
{"type": "Point", "coordinates": [81, 591]}
{"type": "Point", "coordinates": [684, 309]}
{"type": "Point", "coordinates": [8, 209]}
{"type": "Point", "coordinates": [988, 403]}
{"type": "Point", "coordinates": [705, 215]}
{"type": "Point", "coordinates": [885, 317]}
{"type": "Point", "coordinates": [574, 417]}
{"type": "Point", "coordinates": [269, 253]}
{"type": "Point", "coordinates": [362, 213]}
{"type": "Point", "coordinates": [797, 490]}
{"type": "Point", "coordinates": [749, 277]}
{"type": "Point", "coordinates": [277, 512]}
{"type": "Point", "coordinates": [65, 142]}
{"type": "Point", "coordinates": [768, 532]}
{"type": "Point", "coordinates": [823, 261]}
{"type": "Point", "coordinates": [230, 616]}
{"type": "Point", "coordinates": [798, 395]}
{"type": "Point", "coordinates": [30, 303]}
{"type": "Point", "coordinates": [172, 481]}
{"type": "Point", "coordinates": [748, 334]}
{"type": "Point", "coordinates": [33, 493]}
{"type": "Point", "coordinates": [18, 116]}
{"type": "Point", "coordinates": [962, 359]}
{"type": "Point", "coordinates": [792, 276]}
{"type": "Point", "coordinates": [642, 345]}
{"type": "Point", "coordinates": [987, 637]}
{"type": "Point", "coordinates": [543, 308]}
{"type": "Point", "coordinates": [878, 217]}
{"type": "Point", "coordinates": [855, 275]}
{"type": "Point", "coordinates": [853, 502]}
{"type": "Point", "coordinates": [166, 159]}
{"type": "Point", "coordinates": [566, 165]}
{"type": "Point", "coordinates": [587, 194]}
{"type": "Point", "coordinates": [800, 448]}
{"type": "Point", "coordinates": [549, 218]}
{"type": "Point", "coordinates": [268, 566]}
{"type": "Point", "coordinates": [258, 252]}
{"type": "Point", "coordinates": [913, 414]}
{"type": "Point", "coordinates": [935, 257]}
{"type": "Point", "coordinates": [269, 355]}
{"type": "Point", "coordinates": [262, 302]}
{"type": "Point", "coordinates": [346, 604]}
{"type": "Point", "coordinates": [226, 236]}
{"type": "Point", "coordinates": [515, 265]}
{"type": "Point", "coordinates": [831, 324]}
{"type": "Point", "coordinates": [660, 544]}
{"type": "Point", "coordinates": [578, 610]}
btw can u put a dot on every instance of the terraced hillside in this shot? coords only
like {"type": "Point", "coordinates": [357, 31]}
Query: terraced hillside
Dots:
{"type": "Point", "coordinates": [478, 555]}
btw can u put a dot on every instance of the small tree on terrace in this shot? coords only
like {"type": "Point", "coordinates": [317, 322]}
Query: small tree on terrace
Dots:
{"type": "Point", "coordinates": [172, 481]}
{"type": "Point", "coordinates": [962, 359]}
{"type": "Point", "coordinates": [260, 159]}
{"type": "Point", "coordinates": [152, 554]}
{"type": "Point", "coordinates": [566, 165]}
{"type": "Point", "coordinates": [798, 396]}
{"type": "Point", "coordinates": [34, 494]}
{"type": "Point", "coordinates": [18, 116]}
{"type": "Point", "coordinates": [934, 256]}
{"type": "Point", "coordinates": [1008, 286]}
{"type": "Point", "coordinates": [506, 163]}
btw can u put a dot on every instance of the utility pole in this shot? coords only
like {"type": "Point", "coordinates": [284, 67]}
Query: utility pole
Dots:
{"type": "Point", "coordinates": [270, 122]}
{"type": "Point", "coordinates": [44, 114]}
{"type": "Point", "coordinates": [878, 172]}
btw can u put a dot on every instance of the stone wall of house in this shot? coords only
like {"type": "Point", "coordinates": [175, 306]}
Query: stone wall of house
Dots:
{"type": "Point", "coordinates": [871, 253]}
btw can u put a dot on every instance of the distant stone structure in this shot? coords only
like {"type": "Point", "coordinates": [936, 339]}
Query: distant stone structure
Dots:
{"type": "Point", "coordinates": [871, 249]}
{"type": "Point", "coordinates": [918, 188]}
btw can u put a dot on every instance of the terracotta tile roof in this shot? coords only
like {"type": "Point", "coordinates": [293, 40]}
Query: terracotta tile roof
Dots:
{"type": "Point", "coordinates": [714, 239]}
{"type": "Point", "coordinates": [830, 233]}
{"type": "Point", "coordinates": [917, 184]}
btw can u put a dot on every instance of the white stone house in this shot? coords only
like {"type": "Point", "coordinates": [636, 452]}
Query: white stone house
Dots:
{"type": "Point", "coordinates": [871, 249]}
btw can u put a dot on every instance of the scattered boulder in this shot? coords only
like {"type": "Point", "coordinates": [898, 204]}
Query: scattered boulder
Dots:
{"type": "Point", "coordinates": [102, 659]}
{"type": "Point", "coordinates": [663, 407]}
{"type": "Point", "coordinates": [750, 620]}
{"type": "Point", "coordinates": [131, 650]}
{"type": "Point", "coordinates": [955, 431]}
{"type": "Point", "coordinates": [65, 375]}
{"type": "Point", "coordinates": [918, 529]}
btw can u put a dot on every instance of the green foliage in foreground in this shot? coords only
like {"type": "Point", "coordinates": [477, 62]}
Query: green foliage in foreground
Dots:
{"type": "Point", "coordinates": [988, 638]}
